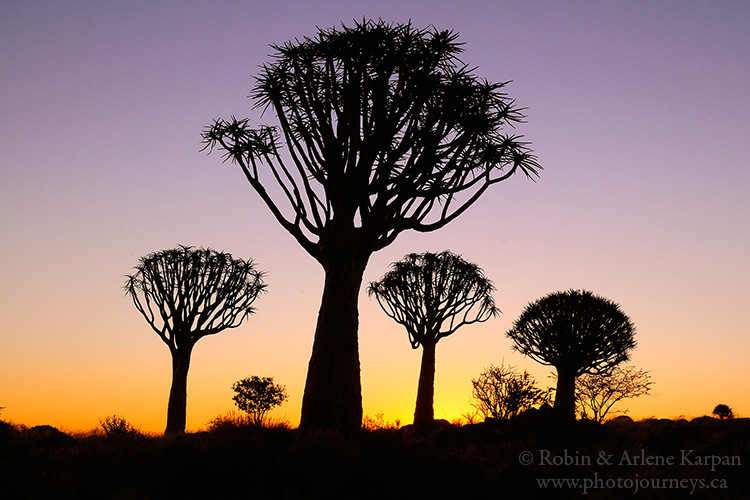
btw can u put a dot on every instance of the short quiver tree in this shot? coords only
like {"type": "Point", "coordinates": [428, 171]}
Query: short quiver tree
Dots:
{"type": "Point", "coordinates": [380, 129]}
{"type": "Point", "coordinates": [257, 396]}
{"type": "Point", "coordinates": [577, 332]}
{"type": "Point", "coordinates": [432, 296]}
{"type": "Point", "coordinates": [185, 294]}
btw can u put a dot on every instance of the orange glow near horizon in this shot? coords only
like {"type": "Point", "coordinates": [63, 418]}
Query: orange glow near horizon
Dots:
{"type": "Point", "coordinates": [137, 391]}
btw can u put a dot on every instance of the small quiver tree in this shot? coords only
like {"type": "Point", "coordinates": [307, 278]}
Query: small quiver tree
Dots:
{"type": "Point", "coordinates": [432, 296]}
{"type": "Point", "coordinates": [257, 396]}
{"type": "Point", "coordinates": [577, 332]}
{"type": "Point", "coordinates": [185, 294]}
{"type": "Point", "coordinates": [501, 392]}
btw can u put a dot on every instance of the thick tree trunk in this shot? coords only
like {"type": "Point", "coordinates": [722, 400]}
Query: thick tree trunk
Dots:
{"type": "Point", "coordinates": [424, 415]}
{"type": "Point", "coordinates": [333, 390]}
{"type": "Point", "coordinates": [565, 395]}
{"type": "Point", "coordinates": [177, 408]}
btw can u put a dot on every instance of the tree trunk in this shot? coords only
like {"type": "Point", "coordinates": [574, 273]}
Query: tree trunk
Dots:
{"type": "Point", "coordinates": [177, 408]}
{"type": "Point", "coordinates": [333, 390]}
{"type": "Point", "coordinates": [565, 395]}
{"type": "Point", "coordinates": [424, 415]}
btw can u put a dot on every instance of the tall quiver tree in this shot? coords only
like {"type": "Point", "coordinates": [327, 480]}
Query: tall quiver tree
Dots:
{"type": "Point", "coordinates": [432, 296]}
{"type": "Point", "coordinates": [381, 128]}
{"type": "Point", "coordinates": [577, 332]}
{"type": "Point", "coordinates": [185, 294]}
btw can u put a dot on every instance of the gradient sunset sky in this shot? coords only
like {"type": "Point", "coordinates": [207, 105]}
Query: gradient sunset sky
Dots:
{"type": "Point", "coordinates": [638, 111]}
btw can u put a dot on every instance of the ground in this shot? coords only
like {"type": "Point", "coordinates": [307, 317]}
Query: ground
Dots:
{"type": "Point", "coordinates": [522, 458]}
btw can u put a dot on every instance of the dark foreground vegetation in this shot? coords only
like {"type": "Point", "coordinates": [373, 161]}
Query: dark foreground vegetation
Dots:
{"type": "Point", "coordinates": [490, 460]}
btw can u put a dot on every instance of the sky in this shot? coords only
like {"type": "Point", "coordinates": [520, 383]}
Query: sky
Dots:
{"type": "Point", "coordinates": [638, 112]}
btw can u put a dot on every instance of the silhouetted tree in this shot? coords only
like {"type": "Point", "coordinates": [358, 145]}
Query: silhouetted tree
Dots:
{"type": "Point", "coordinates": [257, 396]}
{"type": "Point", "coordinates": [381, 129]}
{"type": "Point", "coordinates": [185, 294]}
{"type": "Point", "coordinates": [577, 332]}
{"type": "Point", "coordinates": [596, 394]}
{"type": "Point", "coordinates": [501, 392]}
{"type": "Point", "coordinates": [432, 296]}
{"type": "Point", "coordinates": [723, 411]}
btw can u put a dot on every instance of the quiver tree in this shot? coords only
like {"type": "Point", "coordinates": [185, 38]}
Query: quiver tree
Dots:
{"type": "Point", "coordinates": [577, 332]}
{"type": "Point", "coordinates": [432, 296]}
{"type": "Point", "coordinates": [185, 294]}
{"type": "Point", "coordinates": [380, 129]}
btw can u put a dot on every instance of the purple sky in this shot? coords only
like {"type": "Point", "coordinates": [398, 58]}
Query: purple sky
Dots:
{"type": "Point", "coordinates": [637, 110]}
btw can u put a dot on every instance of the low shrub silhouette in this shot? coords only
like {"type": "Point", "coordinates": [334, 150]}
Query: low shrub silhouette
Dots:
{"type": "Point", "coordinates": [234, 420]}
{"type": "Point", "coordinates": [723, 411]}
{"type": "Point", "coordinates": [379, 422]}
{"type": "Point", "coordinates": [46, 437]}
{"type": "Point", "coordinates": [8, 431]}
{"type": "Point", "coordinates": [501, 392]}
{"type": "Point", "coordinates": [115, 426]}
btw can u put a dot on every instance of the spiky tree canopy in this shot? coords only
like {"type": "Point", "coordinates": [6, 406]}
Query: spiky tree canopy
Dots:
{"type": "Point", "coordinates": [186, 293]}
{"type": "Point", "coordinates": [381, 128]}
{"type": "Point", "coordinates": [574, 329]}
{"type": "Point", "coordinates": [433, 295]}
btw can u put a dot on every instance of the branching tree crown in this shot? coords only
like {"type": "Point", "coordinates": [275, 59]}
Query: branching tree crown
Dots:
{"type": "Point", "coordinates": [380, 124]}
{"type": "Point", "coordinates": [575, 329]}
{"type": "Point", "coordinates": [433, 295]}
{"type": "Point", "coordinates": [186, 293]}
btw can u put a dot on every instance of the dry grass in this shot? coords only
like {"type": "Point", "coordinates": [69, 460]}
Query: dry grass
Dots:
{"type": "Point", "coordinates": [236, 420]}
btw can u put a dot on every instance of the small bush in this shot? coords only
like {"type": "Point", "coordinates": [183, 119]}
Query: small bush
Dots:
{"type": "Point", "coordinates": [231, 420]}
{"type": "Point", "coordinates": [723, 411]}
{"type": "Point", "coordinates": [46, 437]}
{"type": "Point", "coordinates": [8, 431]}
{"type": "Point", "coordinates": [115, 426]}
{"type": "Point", "coordinates": [501, 392]}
